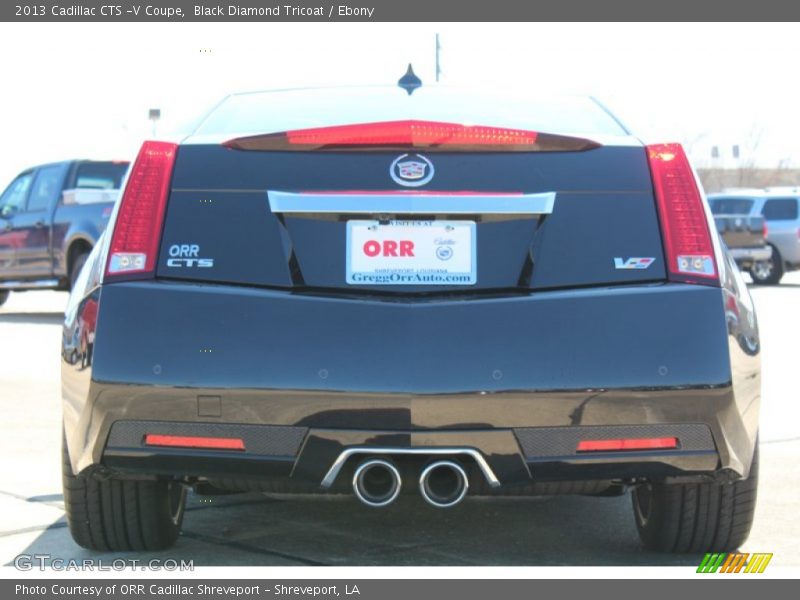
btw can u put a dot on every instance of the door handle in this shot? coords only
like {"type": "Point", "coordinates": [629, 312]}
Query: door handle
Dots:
{"type": "Point", "coordinates": [39, 224]}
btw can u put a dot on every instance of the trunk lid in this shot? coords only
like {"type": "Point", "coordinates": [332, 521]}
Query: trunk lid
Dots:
{"type": "Point", "coordinates": [226, 223]}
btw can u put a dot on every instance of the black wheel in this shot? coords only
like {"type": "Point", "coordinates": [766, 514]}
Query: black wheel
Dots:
{"type": "Point", "coordinates": [3, 296]}
{"type": "Point", "coordinates": [699, 517]}
{"type": "Point", "coordinates": [75, 269]}
{"type": "Point", "coordinates": [768, 272]}
{"type": "Point", "coordinates": [118, 515]}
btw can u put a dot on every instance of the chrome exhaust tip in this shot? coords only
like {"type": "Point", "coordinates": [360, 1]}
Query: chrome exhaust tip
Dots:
{"type": "Point", "coordinates": [377, 482]}
{"type": "Point", "coordinates": [443, 483]}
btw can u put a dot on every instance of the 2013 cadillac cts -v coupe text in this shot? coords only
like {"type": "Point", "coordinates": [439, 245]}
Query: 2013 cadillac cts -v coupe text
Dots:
{"type": "Point", "coordinates": [449, 292]}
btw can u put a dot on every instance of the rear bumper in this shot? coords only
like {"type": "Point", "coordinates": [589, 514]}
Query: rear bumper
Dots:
{"type": "Point", "coordinates": [325, 458]}
{"type": "Point", "coordinates": [751, 255]}
{"type": "Point", "coordinates": [482, 373]}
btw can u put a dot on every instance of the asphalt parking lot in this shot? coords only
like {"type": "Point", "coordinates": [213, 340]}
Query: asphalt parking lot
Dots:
{"type": "Point", "coordinates": [255, 529]}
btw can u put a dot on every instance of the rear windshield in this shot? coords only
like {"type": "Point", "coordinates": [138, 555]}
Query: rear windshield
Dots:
{"type": "Point", "coordinates": [780, 209]}
{"type": "Point", "coordinates": [100, 175]}
{"type": "Point", "coordinates": [272, 112]}
{"type": "Point", "coordinates": [731, 206]}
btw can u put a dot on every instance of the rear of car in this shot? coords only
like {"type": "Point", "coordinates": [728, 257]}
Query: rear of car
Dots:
{"type": "Point", "coordinates": [447, 292]}
{"type": "Point", "coordinates": [781, 215]}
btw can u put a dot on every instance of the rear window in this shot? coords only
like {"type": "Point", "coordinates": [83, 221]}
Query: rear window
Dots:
{"type": "Point", "coordinates": [100, 175]}
{"type": "Point", "coordinates": [271, 112]}
{"type": "Point", "coordinates": [731, 206]}
{"type": "Point", "coordinates": [780, 209]}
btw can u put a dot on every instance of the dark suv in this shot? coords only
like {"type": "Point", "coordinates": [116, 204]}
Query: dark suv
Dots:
{"type": "Point", "coordinates": [369, 291]}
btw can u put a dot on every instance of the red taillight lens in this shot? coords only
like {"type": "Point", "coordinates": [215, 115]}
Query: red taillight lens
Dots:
{"type": "Point", "coordinates": [184, 441]}
{"type": "Point", "coordinates": [404, 135]}
{"type": "Point", "coordinates": [410, 133]}
{"type": "Point", "coordinates": [627, 444]}
{"type": "Point", "coordinates": [137, 230]}
{"type": "Point", "coordinates": [687, 238]}
{"type": "Point", "coordinates": [765, 230]}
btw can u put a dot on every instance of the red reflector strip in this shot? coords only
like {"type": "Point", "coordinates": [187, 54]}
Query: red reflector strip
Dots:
{"type": "Point", "coordinates": [627, 444]}
{"type": "Point", "coordinates": [182, 441]}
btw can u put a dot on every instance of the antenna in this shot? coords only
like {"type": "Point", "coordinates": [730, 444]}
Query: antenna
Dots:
{"type": "Point", "coordinates": [409, 82]}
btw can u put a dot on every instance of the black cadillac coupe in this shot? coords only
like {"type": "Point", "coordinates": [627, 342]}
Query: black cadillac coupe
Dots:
{"type": "Point", "coordinates": [388, 290]}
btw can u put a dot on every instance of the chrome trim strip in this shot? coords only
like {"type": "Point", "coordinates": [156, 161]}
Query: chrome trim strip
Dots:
{"type": "Point", "coordinates": [337, 465]}
{"type": "Point", "coordinates": [410, 203]}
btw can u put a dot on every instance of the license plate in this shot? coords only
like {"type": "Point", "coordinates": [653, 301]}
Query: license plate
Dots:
{"type": "Point", "coordinates": [411, 253]}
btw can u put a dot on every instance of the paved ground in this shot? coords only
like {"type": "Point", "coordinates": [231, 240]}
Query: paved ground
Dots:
{"type": "Point", "coordinates": [254, 529]}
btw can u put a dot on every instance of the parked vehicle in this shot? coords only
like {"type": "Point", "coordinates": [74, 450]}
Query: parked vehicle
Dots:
{"type": "Point", "coordinates": [373, 291]}
{"type": "Point", "coordinates": [50, 219]}
{"type": "Point", "coordinates": [782, 215]}
{"type": "Point", "coordinates": [744, 235]}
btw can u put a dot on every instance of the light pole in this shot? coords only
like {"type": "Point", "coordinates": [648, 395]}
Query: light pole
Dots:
{"type": "Point", "coordinates": [154, 115]}
{"type": "Point", "coordinates": [438, 48]}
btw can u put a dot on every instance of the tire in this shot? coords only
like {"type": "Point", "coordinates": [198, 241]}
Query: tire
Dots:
{"type": "Point", "coordinates": [768, 272]}
{"type": "Point", "coordinates": [696, 518]}
{"type": "Point", "coordinates": [75, 269]}
{"type": "Point", "coordinates": [114, 515]}
{"type": "Point", "coordinates": [4, 296]}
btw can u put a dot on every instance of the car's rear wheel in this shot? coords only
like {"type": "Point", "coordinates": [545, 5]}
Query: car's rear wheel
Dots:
{"type": "Point", "coordinates": [75, 269]}
{"type": "Point", "coordinates": [699, 517]}
{"type": "Point", "coordinates": [3, 296]}
{"type": "Point", "coordinates": [768, 272]}
{"type": "Point", "coordinates": [119, 515]}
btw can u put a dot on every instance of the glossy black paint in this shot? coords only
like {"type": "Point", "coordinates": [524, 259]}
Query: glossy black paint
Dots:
{"type": "Point", "coordinates": [240, 344]}
{"type": "Point", "coordinates": [274, 332]}
{"type": "Point", "coordinates": [604, 208]}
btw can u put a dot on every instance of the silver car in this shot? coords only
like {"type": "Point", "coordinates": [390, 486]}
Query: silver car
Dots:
{"type": "Point", "coordinates": [782, 214]}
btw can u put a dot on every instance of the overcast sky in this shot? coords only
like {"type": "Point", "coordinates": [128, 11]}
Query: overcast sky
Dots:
{"type": "Point", "coordinates": [83, 90]}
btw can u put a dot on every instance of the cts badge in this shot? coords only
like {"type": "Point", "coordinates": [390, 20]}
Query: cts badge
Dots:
{"type": "Point", "coordinates": [187, 255]}
{"type": "Point", "coordinates": [635, 262]}
{"type": "Point", "coordinates": [411, 170]}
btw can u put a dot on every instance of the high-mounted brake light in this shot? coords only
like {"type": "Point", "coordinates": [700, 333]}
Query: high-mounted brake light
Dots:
{"type": "Point", "coordinates": [411, 134]}
{"type": "Point", "coordinates": [627, 444]}
{"type": "Point", "coordinates": [137, 230]}
{"type": "Point", "coordinates": [184, 441]}
{"type": "Point", "coordinates": [684, 226]}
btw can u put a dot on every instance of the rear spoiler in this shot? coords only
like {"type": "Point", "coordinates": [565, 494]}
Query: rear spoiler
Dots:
{"type": "Point", "coordinates": [430, 136]}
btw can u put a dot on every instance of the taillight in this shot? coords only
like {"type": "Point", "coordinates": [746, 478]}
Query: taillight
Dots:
{"type": "Point", "coordinates": [405, 135]}
{"type": "Point", "coordinates": [687, 238]}
{"type": "Point", "coordinates": [765, 230]}
{"type": "Point", "coordinates": [137, 229]}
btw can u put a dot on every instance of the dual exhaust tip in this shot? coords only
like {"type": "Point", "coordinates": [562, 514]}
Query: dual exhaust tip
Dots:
{"type": "Point", "coordinates": [377, 483]}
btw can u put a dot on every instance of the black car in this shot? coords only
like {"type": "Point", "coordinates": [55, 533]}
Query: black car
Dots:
{"type": "Point", "coordinates": [374, 291]}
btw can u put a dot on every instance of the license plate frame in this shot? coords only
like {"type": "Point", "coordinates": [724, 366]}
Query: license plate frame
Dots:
{"type": "Point", "coordinates": [419, 252]}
